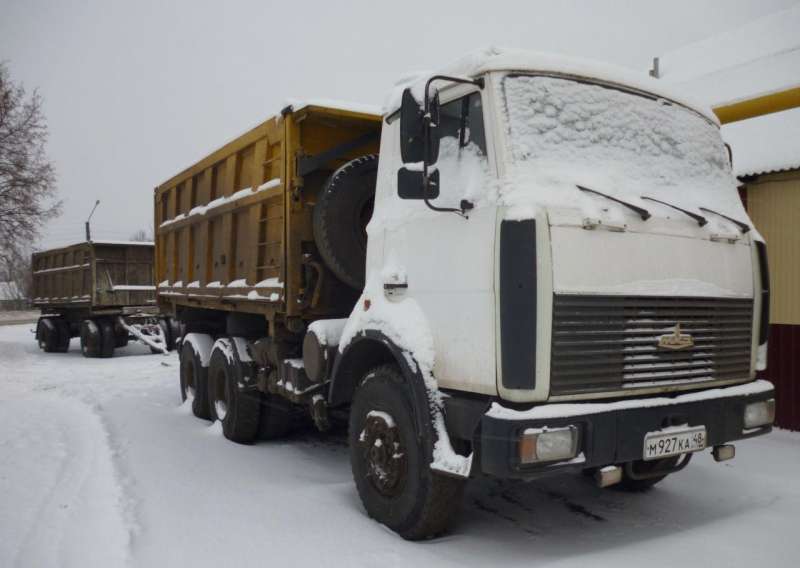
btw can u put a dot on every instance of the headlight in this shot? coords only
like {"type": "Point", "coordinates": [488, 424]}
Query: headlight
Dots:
{"type": "Point", "coordinates": [548, 444]}
{"type": "Point", "coordinates": [758, 414]}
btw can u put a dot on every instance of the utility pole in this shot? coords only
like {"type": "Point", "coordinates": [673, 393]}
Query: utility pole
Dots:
{"type": "Point", "coordinates": [88, 230]}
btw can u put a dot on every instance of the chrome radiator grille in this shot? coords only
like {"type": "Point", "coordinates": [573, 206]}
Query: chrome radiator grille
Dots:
{"type": "Point", "coordinates": [607, 343]}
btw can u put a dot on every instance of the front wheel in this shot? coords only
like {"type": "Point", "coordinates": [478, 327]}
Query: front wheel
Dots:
{"type": "Point", "coordinates": [391, 460]}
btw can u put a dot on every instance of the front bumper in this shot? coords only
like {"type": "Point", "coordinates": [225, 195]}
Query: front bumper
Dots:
{"type": "Point", "coordinates": [614, 432]}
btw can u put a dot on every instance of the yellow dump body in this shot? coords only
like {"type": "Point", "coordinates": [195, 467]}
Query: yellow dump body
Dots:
{"type": "Point", "coordinates": [234, 231]}
{"type": "Point", "coordinates": [94, 275]}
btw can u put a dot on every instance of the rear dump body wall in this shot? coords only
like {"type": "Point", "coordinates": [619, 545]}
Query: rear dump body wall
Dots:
{"type": "Point", "coordinates": [234, 231]}
{"type": "Point", "coordinates": [94, 276]}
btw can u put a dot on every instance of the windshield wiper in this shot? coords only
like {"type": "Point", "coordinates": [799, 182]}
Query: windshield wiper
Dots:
{"type": "Point", "coordinates": [699, 218]}
{"type": "Point", "coordinates": [744, 227]}
{"type": "Point", "coordinates": [643, 213]}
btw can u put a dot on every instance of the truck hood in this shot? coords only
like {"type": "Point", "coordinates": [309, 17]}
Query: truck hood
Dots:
{"type": "Point", "coordinates": [658, 257]}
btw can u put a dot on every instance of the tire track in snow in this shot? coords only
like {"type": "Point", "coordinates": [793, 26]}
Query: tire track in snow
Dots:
{"type": "Point", "coordinates": [81, 517]}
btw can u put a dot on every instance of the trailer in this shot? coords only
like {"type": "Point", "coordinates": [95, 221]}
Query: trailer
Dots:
{"type": "Point", "coordinates": [524, 266]}
{"type": "Point", "coordinates": [101, 292]}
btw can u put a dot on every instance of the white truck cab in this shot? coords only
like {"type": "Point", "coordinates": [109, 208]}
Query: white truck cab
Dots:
{"type": "Point", "coordinates": [548, 231]}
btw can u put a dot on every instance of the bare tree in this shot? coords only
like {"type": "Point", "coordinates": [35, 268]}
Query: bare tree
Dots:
{"type": "Point", "coordinates": [27, 177]}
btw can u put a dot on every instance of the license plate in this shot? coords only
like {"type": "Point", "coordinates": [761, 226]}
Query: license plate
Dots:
{"type": "Point", "coordinates": [673, 442]}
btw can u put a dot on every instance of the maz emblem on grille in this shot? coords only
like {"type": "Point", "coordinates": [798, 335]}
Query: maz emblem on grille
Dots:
{"type": "Point", "coordinates": [676, 340]}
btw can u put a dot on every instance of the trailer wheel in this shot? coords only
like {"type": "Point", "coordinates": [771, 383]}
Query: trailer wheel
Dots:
{"type": "Point", "coordinates": [108, 338]}
{"type": "Point", "coordinates": [236, 408]}
{"type": "Point", "coordinates": [62, 335]}
{"type": "Point", "coordinates": [46, 335]}
{"type": "Point", "coordinates": [120, 335]}
{"type": "Point", "coordinates": [390, 463]}
{"type": "Point", "coordinates": [341, 216]}
{"type": "Point", "coordinates": [172, 332]}
{"type": "Point", "coordinates": [194, 381]}
{"type": "Point", "coordinates": [91, 341]}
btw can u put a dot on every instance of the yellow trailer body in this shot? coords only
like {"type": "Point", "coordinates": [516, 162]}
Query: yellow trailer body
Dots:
{"type": "Point", "coordinates": [234, 230]}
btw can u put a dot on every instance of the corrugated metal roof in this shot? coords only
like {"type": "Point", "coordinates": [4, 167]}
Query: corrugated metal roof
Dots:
{"type": "Point", "coordinates": [759, 57]}
{"type": "Point", "coordinates": [769, 143]}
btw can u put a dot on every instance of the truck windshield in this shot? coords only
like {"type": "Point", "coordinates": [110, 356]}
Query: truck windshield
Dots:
{"type": "Point", "coordinates": [564, 133]}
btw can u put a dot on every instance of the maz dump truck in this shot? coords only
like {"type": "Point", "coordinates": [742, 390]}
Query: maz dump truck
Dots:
{"type": "Point", "coordinates": [101, 292]}
{"type": "Point", "coordinates": [525, 265]}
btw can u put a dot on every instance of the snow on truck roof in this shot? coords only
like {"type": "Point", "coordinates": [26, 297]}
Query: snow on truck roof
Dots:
{"type": "Point", "coordinates": [506, 59]}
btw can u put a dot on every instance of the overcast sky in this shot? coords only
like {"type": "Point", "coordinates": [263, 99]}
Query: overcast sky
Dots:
{"type": "Point", "coordinates": [136, 91]}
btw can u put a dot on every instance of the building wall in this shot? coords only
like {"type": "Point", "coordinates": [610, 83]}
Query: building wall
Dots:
{"type": "Point", "coordinates": [773, 202]}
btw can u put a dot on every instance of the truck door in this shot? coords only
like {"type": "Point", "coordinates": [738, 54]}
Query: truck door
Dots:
{"type": "Point", "coordinates": [448, 259]}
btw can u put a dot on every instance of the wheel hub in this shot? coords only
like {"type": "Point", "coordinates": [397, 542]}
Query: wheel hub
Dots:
{"type": "Point", "coordinates": [384, 455]}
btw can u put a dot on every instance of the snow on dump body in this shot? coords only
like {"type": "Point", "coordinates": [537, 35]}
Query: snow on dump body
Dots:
{"type": "Point", "coordinates": [564, 133]}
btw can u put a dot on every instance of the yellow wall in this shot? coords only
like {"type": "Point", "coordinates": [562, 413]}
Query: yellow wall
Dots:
{"type": "Point", "coordinates": [773, 202]}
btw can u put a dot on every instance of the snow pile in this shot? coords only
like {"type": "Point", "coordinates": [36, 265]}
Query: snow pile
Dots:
{"type": "Point", "coordinates": [564, 133]}
{"type": "Point", "coordinates": [464, 174]}
{"type": "Point", "coordinates": [403, 322]}
{"type": "Point", "coordinates": [328, 332]}
{"type": "Point", "coordinates": [361, 108]}
{"type": "Point", "coordinates": [270, 283]}
{"type": "Point", "coordinates": [220, 201]}
{"type": "Point", "coordinates": [201, 344]}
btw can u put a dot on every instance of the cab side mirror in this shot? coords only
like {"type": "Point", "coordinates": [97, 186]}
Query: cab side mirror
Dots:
{"type": "Point", "coordinates": [411, 129]}
{"type": "Point", "coordinates": [415, 129]}
{"type": "Point", "coordinates": [410, 184]}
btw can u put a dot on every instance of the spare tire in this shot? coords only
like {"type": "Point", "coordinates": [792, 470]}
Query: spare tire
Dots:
{"type": "Point", "coordinates": [340, 219]}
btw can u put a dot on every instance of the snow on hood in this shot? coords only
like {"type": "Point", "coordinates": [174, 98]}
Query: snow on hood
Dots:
{"type": "Point", "coordinates": [494, 58]}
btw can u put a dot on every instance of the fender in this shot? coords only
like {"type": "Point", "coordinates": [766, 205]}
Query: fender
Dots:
{"type": "Point", "coordinates": [370, 348]}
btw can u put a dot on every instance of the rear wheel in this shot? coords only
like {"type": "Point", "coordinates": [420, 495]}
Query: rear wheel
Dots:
{"type": "Point", "coordinates": [46, 334]}
{"type": "Point", "coordinates": [91, 341]}
{"type": "Point", "coordinates": [235, 407]}
{"type": "Point", "coordinates": [194, 377]}
{"type": "Point", "coordinates": [121, 335]}
{"type": "Point", "coordinates": [172, 332]}
{"type": "Point", "coordinates": [390, 460]}
{"type": "Point", "coordinates": [108, 338]}
{"type": "Point", "coordinates": [63, 335]}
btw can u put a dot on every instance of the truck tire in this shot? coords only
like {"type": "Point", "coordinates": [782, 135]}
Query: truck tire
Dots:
{"type": "Point", "coordinates": [631, 485]}
{"type": "Point", "coordinates": [175, 333]}
{"type": "Point", "coordinates": [46, 335]}
{"type": "Point", "coordinates": [62, 335]}
{"type": "Point", "coordinates": [108, 338]}
{"type": "Point", "coordinates": [120, 335]}
{"type": "Point", "coordinates": [340, 219]}
{"type": "Point", "coordinates": [91, 341]}
{"type": "Point", "coordinates": [194, 381]}
{"type": "Point", "coordinates": [236, 408]}
{"type": "Point", "coordinates": [390, 463]}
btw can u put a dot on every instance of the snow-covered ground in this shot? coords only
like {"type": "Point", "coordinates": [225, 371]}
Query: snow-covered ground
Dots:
{"type": "Point", "coordinates": [100, 466]}
{"type": "Point", "coordinates": [18, 316]}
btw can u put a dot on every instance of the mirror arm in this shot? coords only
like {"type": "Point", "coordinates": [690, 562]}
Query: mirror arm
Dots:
{"type": "Point", "coordinates": [426, 125]}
